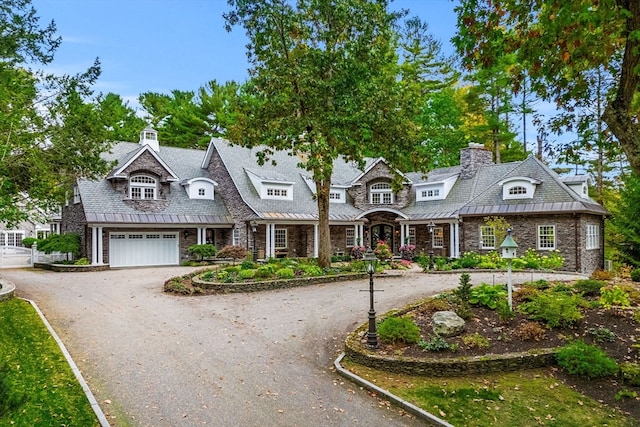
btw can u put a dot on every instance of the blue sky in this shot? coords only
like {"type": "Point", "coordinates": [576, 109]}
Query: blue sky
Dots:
{"type": "Point", "coordinates": [160, 45]}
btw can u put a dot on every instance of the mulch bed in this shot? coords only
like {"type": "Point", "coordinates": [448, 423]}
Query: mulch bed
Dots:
{"type": "Point", "coordinates": [504, 338]}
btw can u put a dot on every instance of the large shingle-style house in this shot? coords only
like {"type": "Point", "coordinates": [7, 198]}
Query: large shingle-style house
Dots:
{"type": "Point", "coordinates": [158, 201]}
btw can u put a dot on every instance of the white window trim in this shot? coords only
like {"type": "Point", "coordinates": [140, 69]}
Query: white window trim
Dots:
{"type": "Point", "coordinates": [411, 237]}
{"type": "Point", "coordinates": [539, 237]}
{"type": "Point", "coordinates": [275, 238]}
{"type": "Point", "coordinates": [235, 237]}
{"type": "Point", "coordinates": [143, 186]}
{"type": "Point", "coordinates": [482, 234]}
{"type": "Point", "coordinates": [350, 237]}
{"type": "Point", "coordinates": [76, 194]}
{"type": "Point", "coordinates": [437, 239]}
{"type": "Point", "coordinates": [593, 237]}
{"type": "Point", "coordinates": [378, 191]}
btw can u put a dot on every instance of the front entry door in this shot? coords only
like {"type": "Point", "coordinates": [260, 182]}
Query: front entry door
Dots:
{"type": "Point", "coordinates": [381, 232]}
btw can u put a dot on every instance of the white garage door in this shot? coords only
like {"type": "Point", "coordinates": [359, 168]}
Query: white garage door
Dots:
{"type": "Point", "coordinates": [138, 249]}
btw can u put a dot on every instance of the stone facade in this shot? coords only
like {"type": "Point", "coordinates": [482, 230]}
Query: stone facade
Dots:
{"type": "Point", "coordinates": [379, 173]}
{"type": "Point", "coordinates": [472, 157]}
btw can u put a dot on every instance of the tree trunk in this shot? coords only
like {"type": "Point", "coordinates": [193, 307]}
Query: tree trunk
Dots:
{"type": "Point", "coordinates": [324, 236]}
{"type": "Point", "coordinates": [618, 114]}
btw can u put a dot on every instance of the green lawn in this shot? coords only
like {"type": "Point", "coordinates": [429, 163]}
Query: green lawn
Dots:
{"type": "Point", "coordinates": [35, 378]}
{"type": "Point", "coordinates": [523, 399]}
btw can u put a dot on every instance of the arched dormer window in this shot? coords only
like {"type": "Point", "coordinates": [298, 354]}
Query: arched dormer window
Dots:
{"type": "Point", "coordinates": [519, 187]}
{"type": "Point", "coordinates": [142, 187]}
{"type": "Point", "coordinates": [517, 190]}
{"type": "Point", "coordinates": [381, 194]}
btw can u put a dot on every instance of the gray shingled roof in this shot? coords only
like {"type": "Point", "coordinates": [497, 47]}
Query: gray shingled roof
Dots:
{"type": "Point", "coordinates": [303, 207]}
{"type": "Point", "coordinates": [103, 204]}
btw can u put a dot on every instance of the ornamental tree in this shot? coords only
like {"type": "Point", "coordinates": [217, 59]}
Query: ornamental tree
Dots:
{"type": "Point", "coordinates": [325, 82]}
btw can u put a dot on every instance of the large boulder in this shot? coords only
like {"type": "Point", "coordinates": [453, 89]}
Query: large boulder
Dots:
{"type": "Point", "coordinates": [447, 323]}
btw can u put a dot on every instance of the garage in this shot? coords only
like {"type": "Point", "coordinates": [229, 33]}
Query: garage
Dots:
{"type": "Point", "coordinates": [142, 249]}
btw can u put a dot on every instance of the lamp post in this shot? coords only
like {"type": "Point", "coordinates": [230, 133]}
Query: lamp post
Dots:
{"type": "Point", "coordinates": [509, 247]}
{"type": "Point", "coordinates": [254, 229]}
{"type": "Point", "coordinates": [431, 227]}
{"type": "Point", "coordinates": [370, 261]}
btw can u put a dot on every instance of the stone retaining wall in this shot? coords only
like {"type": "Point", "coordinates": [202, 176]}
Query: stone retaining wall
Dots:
{"type": "Point", "coordinates": [7, 290]}
{"type": "Point", "coordinates": [226, 288]}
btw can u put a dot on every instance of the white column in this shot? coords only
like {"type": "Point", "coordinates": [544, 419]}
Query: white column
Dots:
{"type": "Point", "coordinates": [455, 245]}
{"type": "Point", "coordinates": [202, 235]}
{"type": "Point", "coordinates": [267, 241]}
{"type": "Point", "coordinates": [402, 234]}
{"type": "Point", "coordinates": [315, 240]}
{"type": "Point", "coordinates": [100, 250]}
{"type": "Point", "coordinates": [94, 245]}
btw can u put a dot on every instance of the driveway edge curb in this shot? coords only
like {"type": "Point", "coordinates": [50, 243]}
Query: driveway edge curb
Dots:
{"type": "Point", "coordinates": [85, 387]}
{"type": "Point", "coordinates": [421, 413]}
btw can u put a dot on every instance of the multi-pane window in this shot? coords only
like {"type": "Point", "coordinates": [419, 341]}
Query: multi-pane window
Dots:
{"type": "Point", "coordinates": [142, 187]}
{"type": "Point", "coordinates": [438, 237]}
{"type": "Point", "coordinates": [487, 237]}
{"type": "Point", "coordinates": [334, 195]}
{"type": "Point", "coordinates": [517, 190]}
{"type": "Point", "coordinates": [11, 238]}
{"type": "Point", "coordinates": [412, 236]}
{"type": "Point", "coordinates": [427, 194]}
{"type": "Point", "coordinates": [546, 237]}
{"type": "Point", "coordinates": [350, 237]}
{"type": "Point", "coordinates": [202, 192]}
{"type": "Point", "coordinates": [593, 236]}
{"type": "Point", "coordinates": [277, 192]}
{"type": "Point", "coordinates": [236, 237]}
{"type": "Point", "coordinates": [280, 238]}
{"type": "Point", "coordinates": [381, 194]}
{"type": "Point", "coordinates": [76, 194]}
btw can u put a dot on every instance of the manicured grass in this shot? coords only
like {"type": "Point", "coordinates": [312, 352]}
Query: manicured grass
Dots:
{"type": "Point", "coordinates": [34, 369]}
{"type": "Point", "coordinates": [525, 398]}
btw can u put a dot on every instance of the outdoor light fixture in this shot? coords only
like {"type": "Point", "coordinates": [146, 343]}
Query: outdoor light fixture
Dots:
{"type": "Point", "coordinates": [509, 247]}
{"type": "Point", "coordinates": [371, 261]}
{"type": "Point", "coordinates": [254, 230]}
{"type": "Point", "coordinates": [185, 233]}
{"type": "Point", "coordinates": [431, 228]}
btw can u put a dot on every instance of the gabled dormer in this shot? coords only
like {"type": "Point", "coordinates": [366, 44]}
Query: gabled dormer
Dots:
{"type": "Point", "coordinates": [518, 187]}
{"type": "Point", "coordinates": [337, 193]}
{"type": "Point", "coordinates": [200, 188]}
{"type": "Point", "coordinates": [434, 190]}
{"type": "Point", "coordinates": [271, 187]}
{"type": "Point", "coordinates": [579, 184]}
{"type": "Point", "coordinates": [149, 136]}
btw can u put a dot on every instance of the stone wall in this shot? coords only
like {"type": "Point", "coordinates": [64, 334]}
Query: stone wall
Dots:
{"type": "Point", "coordinates": [74, 221]}
{"type": "Point", "coordinates": [472, 157]}
{"type": "Point", "coordinates": [379, 173]}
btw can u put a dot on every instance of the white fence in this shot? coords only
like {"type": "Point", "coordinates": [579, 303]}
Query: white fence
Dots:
{"type": "Point", "coordinates": [15, 256]}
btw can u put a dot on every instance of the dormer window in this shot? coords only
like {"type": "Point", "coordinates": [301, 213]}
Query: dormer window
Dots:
{"type": "Point", "coordinates": [142, 187]}
{"type": "Point", "coordinates": [277, 193]}
{"type": "Point", "coordinates": [202, 192]}
{"type": "Point", "coordinates": [520, 187]}
{"type": "Point", "coordinates": [381, 194]}
{"type": "Point", "coordinates": [200, 188]}
{"type": "Point", "coordinates": [430, 194]}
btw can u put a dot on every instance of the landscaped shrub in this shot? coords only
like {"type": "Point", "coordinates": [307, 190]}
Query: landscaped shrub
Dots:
{"type": "Point", "coordinates": [505, 313]}
{"type": "Point", "coordinates": [311, 270]}
{"type": "Point", "coordinates": [630, 373]}
{"type": "Point", "coordinates": [463, 291]}
{"type": "Point", "coordinates": [599, 274]}
{"type": "Point", "coordinates": [602, 334]}
{"type": "Point", "coordinates": [248, 264]}
{"type": "Point", "coordinates": [531, 331]}
{"type": "Point", "coordinates": [524, 294]}
{"type": "Point", "coordinates": [635, 274]}
{"type": "Point", "coordinates": [285, 273]}
{"type": "Point", "coordinates": [492, 260]}
{"type": "Point", "coordinates": [82, 261]}
{"type": "Point", "coordinates": [589, 287]}
{"type": "Point", "coordinates": [435, 343]}
{"type": "Point", "coordinates": [529, 259]}
{"type": "Point", "coordinates": [553, 309]}
{"type": "Point", "coordinates": [611, 296]}
{"type": "Point", "coordinates": [581, 359]}
{"type": "Point", "coordinates": [382, 251]}
{"type": "Point", "coordinates": [475, 341]}
{"type": "Point", "coordinates": [246, 274]}
{"type": "Point", "coordinates": [552, 260]}
{"type": "Point", "coordinates": [233, 252]}
{"type": "Point", "coordinates": [203, 251]}
{"type": "Point", "coordinates": [63, 243]}
{"type": "Point", "coordinates": [265, 271]}
{"type": "Point", "coordinates": [399, 329]}
{"type": "Point", "coordinates": [434, 304]}
{"type": "Point", "coordinates": [467, 260]}
{"type": "Point", "coordinates": [487, 295]}
{"type": "Point", "coordinates": [28, 242]}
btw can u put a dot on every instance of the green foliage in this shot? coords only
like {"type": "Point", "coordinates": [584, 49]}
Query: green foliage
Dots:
{"type": "Point", "coordinates": [435, 343]}
{"type": "Point", "coordinates": [552, 260]}
{"type": "Point", "coordinates": [635, 274]}
{"type": "Point", "coordinates": [64, 243]}
{"type": "Point", "coordinates": [311, 270]}
{"type": "Point", "coordinates": [554, 309]}
{"type": "Point", "coordinates": [203, 251]}
{"type": "Point", "coordinates": [588, 287]}
{"type": "Point", "coordinates": [500, 226]}
{"type": "Point", "coordinates": [247, 265]}
{"type": "Point", "coordinates": [468, 260]}
{"type": "Point", "coordinates": [492, 260]}
{"type": "Point", "coordinates": [581, 359]}
{"type": "Point", "coordinates": [626, 394]}
{"type": "Point", "coordinates": [630, 373]}
{"type": "Point", "coordinates": [505, 313]}
{"type": "Point", "coordinates": [285, 273]}
{"type": "Point", "coordinates": [625, 210]}
{"type": "Point", "coordinates": [475, 341]}
{"type": "Point", "coordinates": [28, 242]}
{"type": "Point", "coordinates": [611, 296]}
{"type": "Point", "coordinates": [382, 251]}
{"type": "Point", "coordinates": [82, 261]}
{"type": "Point", "coordinates": [601, 334]}
{"type": "Point", "coordinates": [10, 400]}
{"type": "Point", "coordinates": [246, 274]}
{"type": "Point", "coordinates": [487, 295]}
{"type": "Point", "coordinates": [395, 330]}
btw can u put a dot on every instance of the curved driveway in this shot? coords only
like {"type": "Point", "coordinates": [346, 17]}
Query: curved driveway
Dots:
{"type": "Point", "coordinates": [262, 359]}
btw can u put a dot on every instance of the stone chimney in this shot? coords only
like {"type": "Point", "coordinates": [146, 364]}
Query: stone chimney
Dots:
{"type": "Point", "coordinates": [472, 157]}
{"type": "Point", "coordinates": [149, 136]}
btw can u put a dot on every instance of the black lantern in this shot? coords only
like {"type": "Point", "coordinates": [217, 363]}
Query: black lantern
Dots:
{"type": "Point", "coordinates": [431, 228]}
{"type": "Point", "coordinates": [371, 261]}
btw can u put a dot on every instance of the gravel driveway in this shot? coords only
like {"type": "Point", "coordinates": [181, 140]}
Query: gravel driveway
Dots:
{"type": "Point", "coordinates": [263, 359]}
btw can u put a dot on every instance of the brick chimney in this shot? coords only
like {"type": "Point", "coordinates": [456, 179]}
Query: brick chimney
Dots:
{"type": "Point", "coordinates": [472, 157]}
